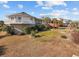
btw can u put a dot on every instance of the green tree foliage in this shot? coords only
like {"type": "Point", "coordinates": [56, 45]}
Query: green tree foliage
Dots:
{"type": "Point", "coordinates": [46, 19]}
{"type": "Point", "coordinates": [1, 25]}
{"type": "Point", "coordinates": [55, 21]}
{"type": "Point", "coordinates": [61, 22]}
{"type": "Point", "coordinates": [27, 30]}
{"type": "Point", "coordinates": [36, 28]}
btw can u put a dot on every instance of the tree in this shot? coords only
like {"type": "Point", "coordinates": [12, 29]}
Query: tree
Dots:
{"type": "Point", "coordinates": [60, 22]}
{"type": "Point", "coordinates": [55, 22]}
{"type": "Point", "coordinates": [37, 20]}
{"type": "Point", "coordinates": [46, 20]}
{"type": "Point", "coordinates": [1, 23]}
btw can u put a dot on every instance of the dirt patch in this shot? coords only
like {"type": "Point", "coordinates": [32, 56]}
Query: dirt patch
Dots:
{"type": "Point", "coordinates": [75, 36]}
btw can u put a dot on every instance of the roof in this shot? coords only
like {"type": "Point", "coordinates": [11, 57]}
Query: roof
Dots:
{"type": "Point", "coordinates": [20, 14]}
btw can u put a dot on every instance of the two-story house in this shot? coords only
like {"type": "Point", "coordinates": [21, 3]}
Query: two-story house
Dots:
{"type": "Point", "coordinates": [20, 20]}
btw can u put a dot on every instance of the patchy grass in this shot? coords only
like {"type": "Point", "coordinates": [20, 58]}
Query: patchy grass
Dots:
{"type": "Point", "coordinates": [53, 33]}
{"type": "Point", "coordinates": [49, 43]}
{"type": "Point", "coordinates": [47, 36]}
{"type": "Point", "coordinates": [77, 30]}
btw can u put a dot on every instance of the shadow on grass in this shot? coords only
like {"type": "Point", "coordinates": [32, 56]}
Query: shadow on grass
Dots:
{"type": "Point", "coordinates": [2, 50]}
{"type": "Point", "coordinates": [38, 36]}
{"type": "Point", "coordinates": [63, 36]}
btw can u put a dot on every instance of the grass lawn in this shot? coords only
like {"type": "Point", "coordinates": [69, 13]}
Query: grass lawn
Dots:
{"type": "Point", "coordinates": [46, 36]}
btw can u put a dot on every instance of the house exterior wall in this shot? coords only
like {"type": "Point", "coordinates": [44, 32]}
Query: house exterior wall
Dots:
{"type": "Point", "coordinates": [23, 20]}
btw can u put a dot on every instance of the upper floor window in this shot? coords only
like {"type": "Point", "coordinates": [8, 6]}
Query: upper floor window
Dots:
{"type": "Point", "coordinates": [19, 18]}
{"type": "Point", "coordinates": [12, 18]}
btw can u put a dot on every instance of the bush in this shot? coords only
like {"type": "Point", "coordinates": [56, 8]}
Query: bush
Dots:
{"type": "Point", "coordinates": [27, 30]}
{"type": "Point", "coordinates": [0, 28]}
{"type": "Point", "coordinates": [9, 30]}
{"type": "Point", "coordinates": [35, 29]}
{"type": "Point", "coordinates": [40, 27]}
{"type": "Point", "coordinates": [33, 33]}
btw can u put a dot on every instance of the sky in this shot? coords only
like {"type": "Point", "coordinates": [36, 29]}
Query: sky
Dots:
{"type": "Point", "coordinates": [58, 9]}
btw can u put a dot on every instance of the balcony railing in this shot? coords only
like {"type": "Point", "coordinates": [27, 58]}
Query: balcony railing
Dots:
{"type": "Point", "coordinates": [22, 22]}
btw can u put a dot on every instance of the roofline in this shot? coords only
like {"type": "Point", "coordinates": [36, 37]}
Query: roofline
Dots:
{"type": "Point", "coordinates": [18, 13]}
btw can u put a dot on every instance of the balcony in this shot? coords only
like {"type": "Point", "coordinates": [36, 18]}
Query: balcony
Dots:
{"type": "Point", "coordinates": [21, 22]}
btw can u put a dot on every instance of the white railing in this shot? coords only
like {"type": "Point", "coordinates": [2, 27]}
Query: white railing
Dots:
{"type": "Point", "coordinates": [14, 22]}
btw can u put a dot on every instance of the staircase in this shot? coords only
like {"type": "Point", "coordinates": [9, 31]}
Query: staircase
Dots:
{"type": "Point", "coordinates": [18, 31]}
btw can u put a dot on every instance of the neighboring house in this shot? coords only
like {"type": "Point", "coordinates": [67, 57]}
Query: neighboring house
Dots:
{"type": "Point", "coordinates": [58, 22]}
{"type": "Point", "coordinates": [20, 20]}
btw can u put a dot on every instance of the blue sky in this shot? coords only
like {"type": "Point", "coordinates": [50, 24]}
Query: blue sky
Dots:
{"type": "Point", "coordinates": [59, 9]}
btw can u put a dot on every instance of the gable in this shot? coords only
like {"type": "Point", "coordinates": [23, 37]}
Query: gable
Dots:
{"type": "Point", "coordinates": [21, 14]}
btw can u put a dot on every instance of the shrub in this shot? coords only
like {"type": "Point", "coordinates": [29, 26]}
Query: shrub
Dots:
{"type": "Point", "coordinates": [35, 29]}
{"type": "Point", "coordinates": [47, 28]}
{"type": "Point", "coordinates": [33, 33]}
{"type": "Point", "coordinates": [9, 30]}
{"type": "Point", "coordinates": [41, 27]}
{"type": "Point", "coordinates": [0, 29]}
{"type": "Point", "coordinates": [27, 30]}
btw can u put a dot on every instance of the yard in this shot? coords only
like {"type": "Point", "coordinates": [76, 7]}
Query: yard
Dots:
{"type": "Point", "coordinates": [54, 42]}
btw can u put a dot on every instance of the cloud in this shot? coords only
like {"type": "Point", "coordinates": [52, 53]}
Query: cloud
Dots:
{"type": "Point", "coordinates": [6, 6]}
{"type": "Point", "coordinates": [75, 13]}
{"type": "Point", "coordinates": [20, 6]}
{"type": "Point", "coordinates": [50, 3]}
{"type": "Point", "coordinates": [32, 13]}
{"type": "Point", "coordinates": [74, 9]}
{"type": "Point", "coordinates": [46, 8]}
{"type": "Point", "coordinates": [60, 12]}
{"type": "Point", "coordinates": [56, 13]}
{"type": "Point", "coordinates": [4, 2]}
{"type": "Point", "coordinates": [40, 3]}
{"type": "Point", "coordinates": [54, 3]}
{"type": "Point", "coordinates": [44, 14]}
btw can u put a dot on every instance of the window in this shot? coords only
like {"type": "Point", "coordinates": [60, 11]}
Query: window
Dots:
{"type": "Point", "coordinates": [12, 18]}
{"type": "Point", "coordinates": [19, 18]}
